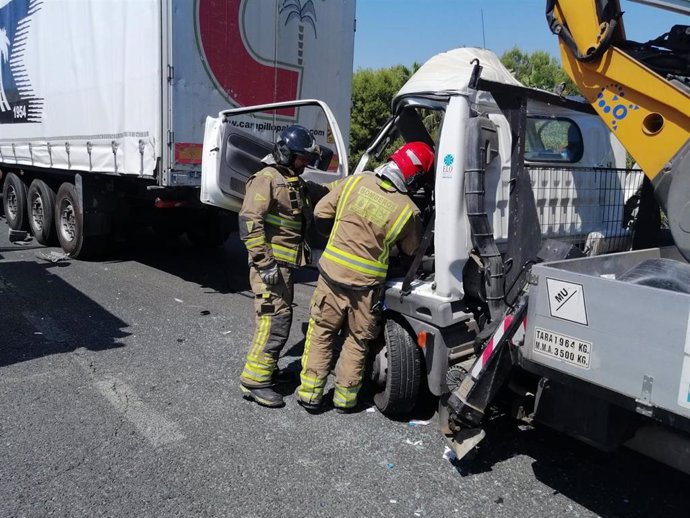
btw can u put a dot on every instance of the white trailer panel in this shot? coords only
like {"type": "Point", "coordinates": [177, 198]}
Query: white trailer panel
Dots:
{"type": "Point", "coordinates": [239, 53]}
{"type": "Point", "coordinates": [81, 84]}
{"type": "Point", "coordinates": [124, 86]}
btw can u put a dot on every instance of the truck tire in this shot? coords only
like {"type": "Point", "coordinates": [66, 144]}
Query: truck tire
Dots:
{"type": "Point", "coordinates": [403, 370]}
{"type": "Point", "coordinates": [69, 223]}
{"type": "Point", "coordinates": [41, 210]}
{"type": "Point", "coordinates": [14, 202]}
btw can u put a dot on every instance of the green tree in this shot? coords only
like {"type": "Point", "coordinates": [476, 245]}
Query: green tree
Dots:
{"type": "Point", "coordinates": [372, 95]}
{"type": "Point", "coordinates": [538, 70]}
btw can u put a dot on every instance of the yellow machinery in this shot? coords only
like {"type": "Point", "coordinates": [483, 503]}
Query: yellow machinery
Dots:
{"type": "Point", "coordinates": [641, 91]}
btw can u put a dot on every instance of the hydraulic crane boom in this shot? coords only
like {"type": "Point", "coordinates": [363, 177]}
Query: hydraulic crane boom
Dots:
{"type": "Point", "coordinates": [641, 91]}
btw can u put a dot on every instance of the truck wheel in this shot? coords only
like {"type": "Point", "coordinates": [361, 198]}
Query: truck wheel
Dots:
{"type": "Point", "coordinates": [69, 222]}
{"type": "Point", "coordinates": [14, 202]}
{"type": "Point", "coordinates": [399, 365]}
{"type": "Point", "coordinates": [42, 212]}
{"type": "Point", "coordinates": [69, 219]}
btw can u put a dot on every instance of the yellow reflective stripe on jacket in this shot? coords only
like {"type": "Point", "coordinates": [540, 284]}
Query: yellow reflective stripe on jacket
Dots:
{"type": "Point", "coordinates": [350, 184]}
{"type": "Point", "coordinates": [255, 242]}
{"type": "Point", "coordinates": [394, 232]}
{"type": "Point", "coordinates": [283, 222]}
{"type": "Point", "coordinates": [358, 264]}
{"type": "Point", "coordinates": [283, 253]}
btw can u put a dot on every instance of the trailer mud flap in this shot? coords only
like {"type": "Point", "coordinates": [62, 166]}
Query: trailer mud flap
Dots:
{"type": "Point", "coordinates": [97, 205]}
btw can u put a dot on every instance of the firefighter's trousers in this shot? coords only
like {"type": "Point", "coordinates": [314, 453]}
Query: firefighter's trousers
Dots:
{"type": "Point", "coordinates": [332, 308]}
{"type": "Point", "coordinates": [273, 306]}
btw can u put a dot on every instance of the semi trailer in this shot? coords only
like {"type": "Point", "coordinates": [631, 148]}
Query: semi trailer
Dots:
{"type": "Point", "coordinates": [103, 103]}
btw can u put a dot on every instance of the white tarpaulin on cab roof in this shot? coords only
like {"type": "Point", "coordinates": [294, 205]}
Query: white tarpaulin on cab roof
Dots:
{"type": "Point", "coordinates": [451, 71]}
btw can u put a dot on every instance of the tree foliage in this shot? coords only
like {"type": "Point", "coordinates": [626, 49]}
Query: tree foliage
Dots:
{"type": "Point", "coordinates": [372, 95]}
{"type": "Point", "coordinates": [538, 70]}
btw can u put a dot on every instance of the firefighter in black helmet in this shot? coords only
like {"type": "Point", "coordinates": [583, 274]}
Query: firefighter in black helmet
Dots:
{"type": "Point", "coordinates": [272, 226]}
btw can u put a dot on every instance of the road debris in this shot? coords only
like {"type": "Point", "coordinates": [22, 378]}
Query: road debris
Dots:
{"type": "Point", "coordinates": [53, 257]}
{"type": "Point", "coordinates": [449, 454]}
{"type": "Point", "coordinates": [19, 237]}
{"type": "Point", "coordinates": [417, 422]}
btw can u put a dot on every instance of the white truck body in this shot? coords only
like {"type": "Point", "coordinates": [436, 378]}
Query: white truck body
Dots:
{"type": "Point", "coordinates": [121, 88]}
{"type": "Point", "coordinates": [117, 86]}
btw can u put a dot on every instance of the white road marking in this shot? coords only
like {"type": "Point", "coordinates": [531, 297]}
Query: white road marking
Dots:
{"type": "Point", "coordinates": [157, 429]}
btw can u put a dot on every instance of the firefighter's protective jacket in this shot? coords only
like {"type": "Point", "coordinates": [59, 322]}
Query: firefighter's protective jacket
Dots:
{"type": "Point", "coordinates": [370, 216]}
{"type": "Point", "coordinates": [272, 219]}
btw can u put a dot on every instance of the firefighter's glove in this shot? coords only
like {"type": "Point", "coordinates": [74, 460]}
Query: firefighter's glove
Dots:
{"type": "Point", "coordinates": [270, 275]}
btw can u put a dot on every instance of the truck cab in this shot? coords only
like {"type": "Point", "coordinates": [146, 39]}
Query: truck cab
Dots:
{"type": "Point", "coordinates": [514, 167]}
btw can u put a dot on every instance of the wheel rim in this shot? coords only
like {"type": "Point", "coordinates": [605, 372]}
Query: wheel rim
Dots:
{"type": "Point", "coordinates": [68, 220]}
{"type": "Point", "coordinates": [37, 211]}
{"type": "Point", "coordinates": [379, 371]}
{"type": "Point", "coordinates": [12, 202]}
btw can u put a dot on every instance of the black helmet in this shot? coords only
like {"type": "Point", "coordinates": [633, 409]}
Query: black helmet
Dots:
{"type": "Point", "coordinates": [292, 141]}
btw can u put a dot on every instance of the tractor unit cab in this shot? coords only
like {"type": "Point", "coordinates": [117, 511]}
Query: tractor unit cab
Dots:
{"type": "Point", "coordinates": [514, 167]}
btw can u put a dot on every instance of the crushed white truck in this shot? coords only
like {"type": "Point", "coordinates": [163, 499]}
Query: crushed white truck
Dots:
{"type": "Point", "coordinates": [103, 103]}
{"type": "Point", "coordinates": [526, 184]}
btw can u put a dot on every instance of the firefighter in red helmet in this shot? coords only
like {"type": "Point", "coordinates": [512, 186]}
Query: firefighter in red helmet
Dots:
{"type": "Point", "coordinates": [370, 213]}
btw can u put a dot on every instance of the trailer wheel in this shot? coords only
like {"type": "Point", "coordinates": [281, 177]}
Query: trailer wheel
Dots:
{"type": "Point", "coordinates": [42, 212]}
{"type": "Point", "coordinates": [69, 222]}
{"type": "Point", "coordinates": [14, 202]}
{"type": "Point", "coordinates": [399, 366]}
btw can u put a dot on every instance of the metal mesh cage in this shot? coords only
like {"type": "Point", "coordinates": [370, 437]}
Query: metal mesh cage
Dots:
{"type": "Point", "coordinates": [593, 208]}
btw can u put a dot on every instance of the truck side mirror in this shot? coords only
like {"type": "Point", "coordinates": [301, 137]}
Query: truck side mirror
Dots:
{"type": "Point", "coordinates": [325, 159]}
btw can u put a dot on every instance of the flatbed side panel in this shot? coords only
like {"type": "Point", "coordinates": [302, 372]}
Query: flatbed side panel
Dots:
{"type": "Point", "coordinates": [629, 338]}
{"type": "Point", "coordinates": [81, 85]}
{"type": "Point", "coordinates": [235, 53]}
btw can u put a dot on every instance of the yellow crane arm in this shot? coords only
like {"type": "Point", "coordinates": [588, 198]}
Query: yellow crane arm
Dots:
{"type": "Point", "coordinates": [648, 112]}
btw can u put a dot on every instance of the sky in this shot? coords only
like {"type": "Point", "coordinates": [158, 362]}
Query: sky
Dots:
{"type": "Point", "coordinates": [392, 32]}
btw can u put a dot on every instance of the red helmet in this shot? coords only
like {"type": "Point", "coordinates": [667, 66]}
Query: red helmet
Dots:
{"type": "Point", "coordinates": [412, 159]}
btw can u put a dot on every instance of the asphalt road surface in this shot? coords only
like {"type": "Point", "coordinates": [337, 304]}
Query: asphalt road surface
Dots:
{"type": "Point", "coordinates": [119, 397]}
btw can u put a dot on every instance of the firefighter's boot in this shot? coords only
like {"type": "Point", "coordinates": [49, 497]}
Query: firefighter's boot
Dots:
{"type": "Point", "coordinates": [264, 396]}
{"type": "Point", "coordinates": [312, 408]}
